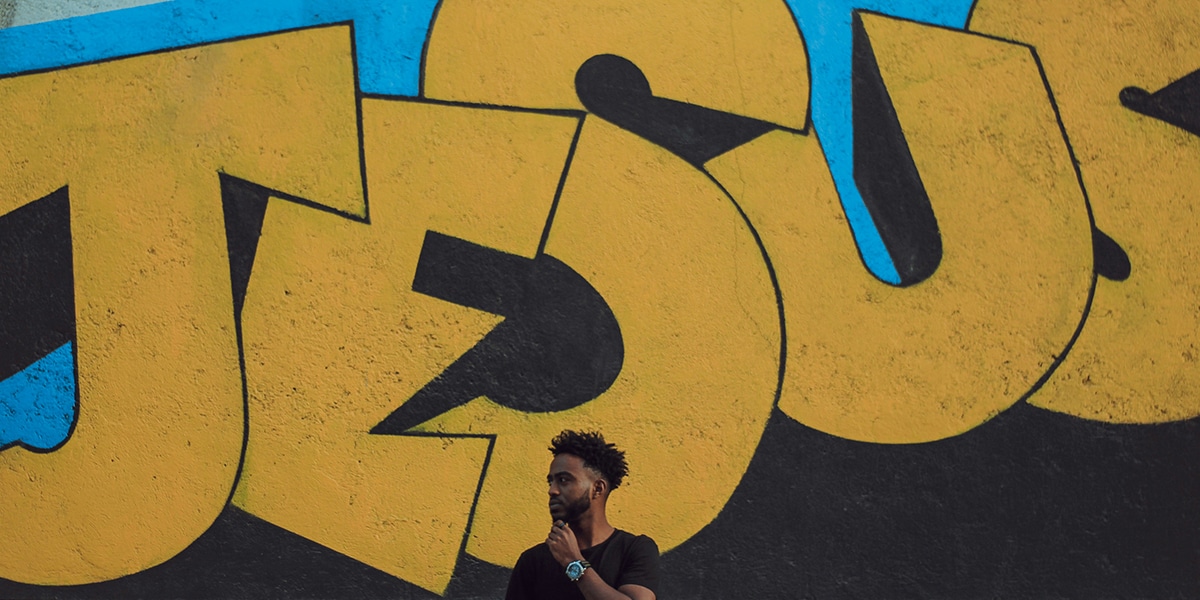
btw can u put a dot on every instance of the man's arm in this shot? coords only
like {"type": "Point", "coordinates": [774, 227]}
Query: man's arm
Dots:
{"type": "Point", "coordinates": [594, 588]}
{"type": "Point", "coordinates": [565, 548]}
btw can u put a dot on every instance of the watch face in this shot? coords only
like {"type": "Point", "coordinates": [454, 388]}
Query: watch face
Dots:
{"type": "Point", "coordinates": [574, 570]}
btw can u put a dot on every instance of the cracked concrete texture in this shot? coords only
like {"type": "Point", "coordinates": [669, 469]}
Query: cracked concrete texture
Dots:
{"type": "Point", "coordinates": [8, 10]}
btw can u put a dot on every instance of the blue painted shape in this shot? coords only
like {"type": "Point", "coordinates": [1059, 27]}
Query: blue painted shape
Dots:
{"type": "Point", "coordinates": [826, 27]}
{"type": "Point", "coordinates": [37, 405]}
{"type": "Point", "coordinates": [389, 35]}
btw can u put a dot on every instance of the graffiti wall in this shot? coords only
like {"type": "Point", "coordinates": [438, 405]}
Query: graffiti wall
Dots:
{"type": "Point", "coordinates": [881, 299]}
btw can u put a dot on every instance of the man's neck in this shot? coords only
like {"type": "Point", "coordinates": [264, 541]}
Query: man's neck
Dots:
{"type": "Point", "coordinates": [591, 529]}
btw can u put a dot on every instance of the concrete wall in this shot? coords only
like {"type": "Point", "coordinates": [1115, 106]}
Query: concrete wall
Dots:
{"type": "Point", "coordinates": [879, 304]}
{"type": "Point", "coordinates": [14, 13]}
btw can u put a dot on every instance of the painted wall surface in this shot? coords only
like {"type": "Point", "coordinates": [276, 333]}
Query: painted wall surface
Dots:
{"type": "Point", "coordinates": [882, 299]}
{"type": "Point", "coordinates": [24, 12]}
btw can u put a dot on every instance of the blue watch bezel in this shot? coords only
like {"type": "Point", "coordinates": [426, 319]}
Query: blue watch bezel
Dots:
{"type": "Point", "coordinates": [576, 569]}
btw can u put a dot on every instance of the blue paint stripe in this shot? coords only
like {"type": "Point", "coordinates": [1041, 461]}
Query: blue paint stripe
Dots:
{"type": "Point", "coordinates": [389, 35]}
{"type": "Point", "coordinates": [826, 26]}
{"type": "Point", "coordinates": [37, 405]}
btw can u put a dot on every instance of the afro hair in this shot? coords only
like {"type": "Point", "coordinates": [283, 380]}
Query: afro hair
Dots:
{"type": "Point", "coordinates": [598, 455]}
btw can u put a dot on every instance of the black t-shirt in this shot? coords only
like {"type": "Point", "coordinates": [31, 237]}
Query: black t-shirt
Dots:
{"type": "Point", "coordinates": [622, 559]}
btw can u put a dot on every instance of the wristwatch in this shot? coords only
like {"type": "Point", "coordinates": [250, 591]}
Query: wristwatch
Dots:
{"type": "Point", "coordinates": [576, 568]}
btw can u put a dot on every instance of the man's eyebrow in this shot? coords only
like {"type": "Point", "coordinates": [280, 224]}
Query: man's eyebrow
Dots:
{"type": "Point", "coordinates": [557, 473]}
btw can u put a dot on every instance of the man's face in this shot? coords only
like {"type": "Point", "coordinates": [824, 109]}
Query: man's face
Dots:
{"type": "Point", "coordinates": [570, 487]}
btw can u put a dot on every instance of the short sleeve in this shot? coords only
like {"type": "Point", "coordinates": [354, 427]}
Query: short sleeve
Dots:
{"type": "Point", "coordinates": [640, 565]}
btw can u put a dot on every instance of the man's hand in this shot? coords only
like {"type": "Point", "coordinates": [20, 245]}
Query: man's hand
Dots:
{"type": "Point", "coordinates": [562, 543]}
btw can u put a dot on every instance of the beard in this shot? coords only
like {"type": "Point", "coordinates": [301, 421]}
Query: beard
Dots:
{"type": "Point", "coordinates": [573, 510]}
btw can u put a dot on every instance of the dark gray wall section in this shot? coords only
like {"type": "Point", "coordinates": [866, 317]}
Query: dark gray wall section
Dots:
{"type": "Point", "coordinates": [1032, 504]}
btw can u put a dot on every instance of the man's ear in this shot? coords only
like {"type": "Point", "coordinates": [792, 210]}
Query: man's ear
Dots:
{"type": "Point", "coordinates": [600, 488]}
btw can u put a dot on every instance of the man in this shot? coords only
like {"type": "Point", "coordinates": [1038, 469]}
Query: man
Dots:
{"type": "Point", "coordinates": [584, 556]}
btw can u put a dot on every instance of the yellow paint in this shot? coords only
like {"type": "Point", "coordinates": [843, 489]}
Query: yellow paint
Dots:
{"type": "Point", "coordinates": [871, 362]}
{"type": "Point", "coordinates": [1136, 360]}
{"type": "Point", "coordinates": [687, 283]}
{"type": "Point", "coordinates": [336, 339]}
{"type": "Point", "coordinates": [140, 141]}
{"type": "Point", "coordinates": [739, 56]}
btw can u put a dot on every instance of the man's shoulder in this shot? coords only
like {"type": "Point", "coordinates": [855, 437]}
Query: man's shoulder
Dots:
{"type": "Point", "coordinates": [632, 542]}
{"type": "Point", "coordinates": [538, 553]}
{"type": "Point", "coordinates": [638, 560]}
{"type": "Point", "coordinates": [627, 538]}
